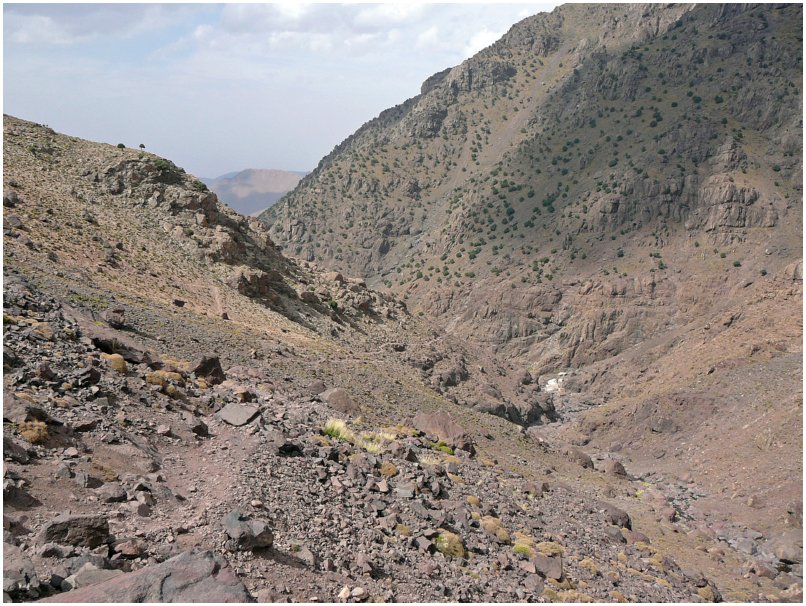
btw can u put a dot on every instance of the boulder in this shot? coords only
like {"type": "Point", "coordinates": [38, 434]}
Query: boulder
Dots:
{"type": "Point", "coordinates": [614, 468]}
{"type": "Point", "coordinates": [550, 567]}
{"type": "Point", "coordinates": [788, 547]}
{"type": "Point", "coordinates": [615, 516]}
{"type": "Point", "coordinates": [579, 457]}
{"type": "Point", "coordinates": [237, 414]}
{"type": "Point", "coordinates": [90, 574]}
{"type": "Point", "coordinates": [115, 317]}
{"type": "Point", "coordinates": [208, 367]}
{"type": "Point", "coordinates": [19, 574]}
{"type": "Point", "coordinates": [12, 451]}
{"type": "Point", "coordinates": [247, 533]}
{"type": "Point", "coordinates": [18, 410]}
{"type": "Point", "coordinates": [316, 387]}
{"type": "Point", "coordinates": [78, 530]}
{"type": "Point", "coordinates": [444, 428]}
{"type": "Point", "coordinates": [111, 493]}
{"type": "Point", "coordinates": [339, 399]}
{"type": "Point", "coordinates": [307, 296]}
{"type": "Point", "coordinates": [200, 576]}
{"type": "Point", "coordinates": [10, 198]}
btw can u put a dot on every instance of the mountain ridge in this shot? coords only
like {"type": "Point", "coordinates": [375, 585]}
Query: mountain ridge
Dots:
{"type": "Point", "coordinates": [595, 189]}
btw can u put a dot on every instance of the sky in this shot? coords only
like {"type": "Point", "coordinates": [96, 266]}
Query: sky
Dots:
{"type": "Point", "coordinates": [224, 87]}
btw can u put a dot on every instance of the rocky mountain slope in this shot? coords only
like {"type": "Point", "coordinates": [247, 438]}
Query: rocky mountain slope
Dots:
{"type": "Point", "coordinates": [172, 383]}
{"type": "Point", "coordinates": [611, 197]}
{"type": "Point", "coordinates": [253, 190]}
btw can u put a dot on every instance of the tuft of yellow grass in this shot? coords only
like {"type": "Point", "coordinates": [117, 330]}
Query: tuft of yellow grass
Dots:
{"type": "Point", "coordinates": [336, 428]}
{"type": "Point", "coordinates": [34, 432]}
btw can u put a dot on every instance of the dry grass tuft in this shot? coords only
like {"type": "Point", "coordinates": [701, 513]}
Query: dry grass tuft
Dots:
{"type": "Point", "coordinates": [388, 469]}
{"type": "Point", "coordinates": [34, 432]}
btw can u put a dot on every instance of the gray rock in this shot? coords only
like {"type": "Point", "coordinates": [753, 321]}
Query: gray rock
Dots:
{"type": "Point", "coordinates": [111, 493]}
{"type": "Point", "coordinates": [237, 414]}
{"type": "Point", "coordinates": [316, 387]}
{"type": "Point", "coordinates": [17, 410]}
{"type": "Point", "coordinates": [551, 567]}
{"type": "Point", "coordinates": [51, 550]}
{"type": "Point", "coordinates": [189, 577]}
{"type": "Point", "coordinates": [10, 199]}
{"type": "Point", "coordinates": [304, 555]}
{"type": "Point", "coordinates": [89, 574]}
{"type": "Point", "coordinates": [363, 563]}
{"type": "Point", "coordinates": [115, 317]}
{"type": "Point", "coordinates": [19, 574]}
{"type": "Point", "coordinates": [12, 451]}
{"type": "Point", "coordinates": [307, 296]}
{"type": "Point", "coordinates": [81, 530]}
{"type": "Point", "coordinates": [197, 426]}
{"type": "Point", "coordinates": [579, 457]}
{"type": "Point", "coordinates": [632, 537]}
{"type": "Point", "coordinates": [247, 533]}
{"type": "Point", "coordinates": [788, 547]}
{"type": "Point", "coordinates": [13, 221]}
{"type": "Point", "coordinates": [615, 534]}
{"type": "Point", "coordinates": [534, 584]}
{"type": "Point", "coordinates": [340, 400]}
{"type": "Point", "coordinates": [405, 491]}
{"type": "Point", "coordinates": [208, 366]}
{"type": "Point", "coordinates": [615, 516]}
{"type": "Point", "coordinates": [614, 468]}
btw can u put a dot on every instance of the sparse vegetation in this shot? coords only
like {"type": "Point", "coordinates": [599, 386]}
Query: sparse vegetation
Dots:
{"type": "Point", "coordinates": [449, 544]}
{"type": "Point", "coordinates": [35, 432]}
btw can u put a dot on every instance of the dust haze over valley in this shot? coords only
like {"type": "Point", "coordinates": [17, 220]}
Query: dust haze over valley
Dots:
{"type": "Point", "coordinates": [533, 334]}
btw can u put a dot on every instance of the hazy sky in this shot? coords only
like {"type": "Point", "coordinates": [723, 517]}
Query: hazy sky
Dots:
{"type": "Point", "coordinates": [223, 87]}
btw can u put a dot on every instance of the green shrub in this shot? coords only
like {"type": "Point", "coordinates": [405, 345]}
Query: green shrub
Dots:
{"type": "Point", "coordinates": [442, 447]}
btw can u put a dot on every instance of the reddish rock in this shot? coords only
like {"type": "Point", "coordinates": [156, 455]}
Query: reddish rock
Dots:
{"type": "Point", "coordinates": [579, 457]}
{"type": "Point", "coordinates": [614, 468]}
{"type": "Point", "coordinates": [441, 426]}
{"type": "Point", "coordinates": [340, 400]}
{"type": "Point", "coordinates": [189, 577]}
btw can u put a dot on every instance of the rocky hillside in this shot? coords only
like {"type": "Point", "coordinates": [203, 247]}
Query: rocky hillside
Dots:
{"type": "Point", "coordinates": [253, 190]}
{"type": "Point", "coordinates": [611, 197]}
{"type": "Point", "coordinates": [172, 383]}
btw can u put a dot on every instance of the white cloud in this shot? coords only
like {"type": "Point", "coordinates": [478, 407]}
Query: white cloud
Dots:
{"type": "Point", "coordinates": [479, 41]}
{"type": "Point", "coordinates": [292, 10]}
{"type": "Point", "coordinates": [34, 29]}
{"type": "Point", "coordinates": [429, 38]}
{"type": "Point", "coordinates": [70, 24]}
{"type": "Point", "coordinates": [385, 15]}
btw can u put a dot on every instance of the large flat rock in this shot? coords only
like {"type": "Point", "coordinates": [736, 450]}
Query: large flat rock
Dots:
{"type": "Point", "coordinates": [200, 576]}
{"type": "Point", "coordinates": [237, 414]}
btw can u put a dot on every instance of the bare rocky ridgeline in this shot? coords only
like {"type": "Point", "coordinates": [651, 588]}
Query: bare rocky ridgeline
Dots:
{"type": "Point", "coordinates": [191, 415]}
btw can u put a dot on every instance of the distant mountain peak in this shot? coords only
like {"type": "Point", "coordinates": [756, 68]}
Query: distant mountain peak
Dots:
{"type": "Point", "coordinates": [252, 190]}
